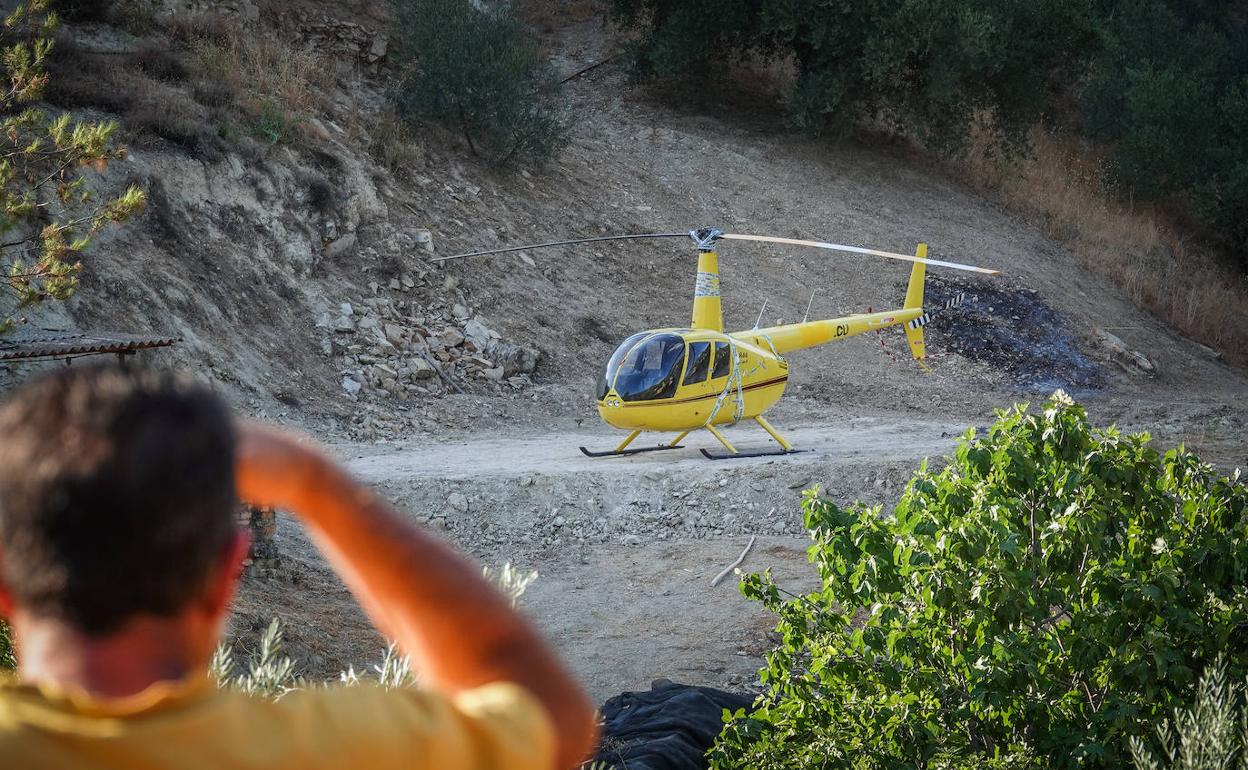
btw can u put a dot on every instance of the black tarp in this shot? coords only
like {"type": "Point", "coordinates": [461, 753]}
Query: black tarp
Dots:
{"type": "Point", "coordinates": [670, 727]}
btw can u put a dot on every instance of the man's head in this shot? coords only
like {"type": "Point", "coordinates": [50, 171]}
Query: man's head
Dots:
{"type": "Point", "coordinates": [117, 496]}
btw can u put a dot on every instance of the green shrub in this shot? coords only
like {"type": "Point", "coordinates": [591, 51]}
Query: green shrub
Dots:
{"type": "Point", "coordinates": [8, 660]}
{"type": "Point", "coordinates": [479, 73]}
{"type": "Point", "coordinates": [1210, 735]}
{"type": "Point", "coordinates": [1052, 591]}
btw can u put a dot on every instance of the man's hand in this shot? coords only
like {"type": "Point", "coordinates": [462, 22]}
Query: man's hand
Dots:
{"type": "Point", "coordinates": [458, 630]}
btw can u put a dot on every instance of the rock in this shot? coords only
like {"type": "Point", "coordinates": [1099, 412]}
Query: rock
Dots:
{"type": "Point", "coordinates": [352, 386]}
{"type": "Point", "coordinates": [481, 335]}
{"type": "Point", "coordinates": [344, 325]}
{"type": "Point", "coordinates": [341, 246]}
{"type": "Point", "coordinates": [346, 309]}
{"type": "Point", "coordinates": [394, 334]}
{"type": "Point", "coordinates": [391, 385]}
{"type": "Point", "coordinates": [1131, 360]}
{"type": "Point", "coordinates": [495, 374]}
{"type": "Point", "coordinates": [424, 240]}
{"type": "Point", "coordinates": [421, 369]}
{"type": "Point", "coordinates": [369, 322]}
{"type": "Point", "coordinates": [452, 337]}
{"type": "Point", "coordinates": [515, 359]}
{"type": "Point", "coordinates": [458, 501]}
{"type": "Point", "coordinates": [377, 50]}
{"type": "Point", "coordinates": [327, 346]}
{"type": "Point", "coordinates": [631, 540]}
{"type": "Point", "coordinates": [459, 311]}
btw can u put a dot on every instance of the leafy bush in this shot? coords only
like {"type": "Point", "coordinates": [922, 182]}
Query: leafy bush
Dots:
{"type": "Point", "coordinates": [1052, 591]}
{"type": "Point", "coordinates": [479, 73]}
{"type": "Point", "coordinates": [1211, 735]}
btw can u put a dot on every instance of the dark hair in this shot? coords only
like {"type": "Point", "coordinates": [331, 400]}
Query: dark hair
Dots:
{"type": "Point", "coordinates": [117, 494]}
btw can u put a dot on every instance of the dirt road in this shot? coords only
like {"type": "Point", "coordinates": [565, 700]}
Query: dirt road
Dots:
{"type": "Point", "coordinates": [856, 440]}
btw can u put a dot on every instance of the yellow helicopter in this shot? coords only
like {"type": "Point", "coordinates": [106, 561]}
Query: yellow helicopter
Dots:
{"type": "Point", "coordinates": [701, 377]}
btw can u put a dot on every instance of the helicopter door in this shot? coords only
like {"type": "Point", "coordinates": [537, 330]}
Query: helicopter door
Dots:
{"type": "Point", "coordinates": [651, 369]}
{"type": "Point", "coordinates": [723, 360]}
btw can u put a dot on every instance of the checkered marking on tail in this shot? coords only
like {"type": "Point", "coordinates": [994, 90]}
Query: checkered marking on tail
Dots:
{"type": "Point", "coordinates": [926, 318]}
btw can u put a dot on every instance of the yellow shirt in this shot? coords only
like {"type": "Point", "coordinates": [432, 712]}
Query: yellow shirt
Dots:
{"type": "Point", "coordinates": [195, 726]}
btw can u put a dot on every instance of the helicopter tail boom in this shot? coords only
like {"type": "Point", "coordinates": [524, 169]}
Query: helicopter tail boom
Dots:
{"type": "Point", "coordinates": [808, 334]}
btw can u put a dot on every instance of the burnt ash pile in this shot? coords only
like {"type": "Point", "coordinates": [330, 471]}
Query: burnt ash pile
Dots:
{"type": "Point", "coordinates": [1011, 328]}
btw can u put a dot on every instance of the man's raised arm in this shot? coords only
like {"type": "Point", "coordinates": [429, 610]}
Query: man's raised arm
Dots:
{"type": "Point", "coordinates": [458, 630]}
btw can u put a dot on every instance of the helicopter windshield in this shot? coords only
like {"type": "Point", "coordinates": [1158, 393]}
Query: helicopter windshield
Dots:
{"type": "Point", "coordinates": [613, 363]}
{"type": "Point", "coordinates": [650, 369]}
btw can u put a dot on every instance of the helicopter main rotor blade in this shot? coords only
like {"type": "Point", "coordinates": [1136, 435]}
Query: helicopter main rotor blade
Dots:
{"type": "Point", "coordinates": [560, 243]}
{"type": "Point", "coordinates": [857, 250]}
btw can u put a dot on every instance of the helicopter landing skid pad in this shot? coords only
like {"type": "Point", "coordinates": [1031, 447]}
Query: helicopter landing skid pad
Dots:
{"type": "Point", "coordinates": [623, 452]}
{"type": "Point", "coordinates": [741, 455]}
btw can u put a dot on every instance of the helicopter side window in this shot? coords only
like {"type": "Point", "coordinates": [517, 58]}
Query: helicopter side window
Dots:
{"type": "Point", "coordinates": [723, 360]}
{"type": "Point", "coordinates": [699, 362]}
{"type": "Point", "coordinates": [651, 370]}
{"type": "Point", "coordinates": [613, 364]}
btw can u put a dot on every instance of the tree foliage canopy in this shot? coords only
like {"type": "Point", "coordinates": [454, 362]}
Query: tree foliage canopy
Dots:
{"type": "Point", "coordinates": [1053, 591]}
{"type": "Point", "coordinates": [48, 214]}
{"type": "Point", "coordinates": [478, 71]}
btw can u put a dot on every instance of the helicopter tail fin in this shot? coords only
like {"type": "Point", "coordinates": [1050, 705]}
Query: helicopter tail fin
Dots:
{"type": "Point", "coordinates": [914, 299]}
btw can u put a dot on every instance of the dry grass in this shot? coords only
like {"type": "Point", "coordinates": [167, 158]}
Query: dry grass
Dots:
{"type": "Point", "coordinates": [1060, 187]}
{"type": "Point", "coordinates": [264, 70]}
{"type": "Point", "coordinates": [395, 145]}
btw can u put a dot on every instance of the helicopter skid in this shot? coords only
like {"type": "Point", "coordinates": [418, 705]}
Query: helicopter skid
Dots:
{"type": "Point", "coordinates": [623, 452]}
{"type": "Point", "coordinates": [740, 455]}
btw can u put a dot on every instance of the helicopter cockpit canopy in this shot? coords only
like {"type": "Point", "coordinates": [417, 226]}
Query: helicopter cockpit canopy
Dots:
{"type": "Point", "coordinates": [645, 367]}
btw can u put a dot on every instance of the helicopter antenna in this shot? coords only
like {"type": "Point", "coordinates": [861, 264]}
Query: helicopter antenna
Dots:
{"type": "Point", "coordinates": [808, 304]}
{"type": "Point", "coordinates": [759, 320]}
{"type": "Point", "coordinates": [560, 243]}
{"type": "Point", "coordinates": [857, 250]}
